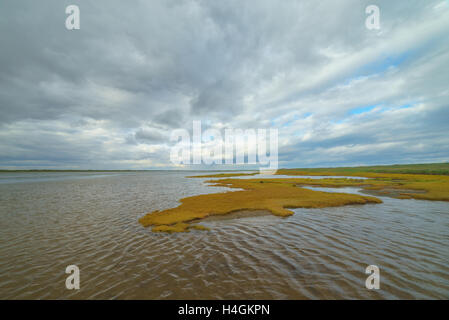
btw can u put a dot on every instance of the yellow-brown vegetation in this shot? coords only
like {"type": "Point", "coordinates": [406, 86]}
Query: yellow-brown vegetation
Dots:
{"type": "Point", "coordinates": [274, 195]}
{"type": "Point", "coordinates": [278, 195]}
{"type": "Point", "coordinates": [416, 186]}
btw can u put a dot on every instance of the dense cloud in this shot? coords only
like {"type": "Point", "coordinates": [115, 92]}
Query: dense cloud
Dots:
{"type": "Point", "coordinates": [110, 94]}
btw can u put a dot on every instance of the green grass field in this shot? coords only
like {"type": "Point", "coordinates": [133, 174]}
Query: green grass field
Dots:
{"type": "Point", "coordinates": [427, 168]}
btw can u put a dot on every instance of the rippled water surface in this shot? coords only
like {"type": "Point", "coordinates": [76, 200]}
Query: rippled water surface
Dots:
{"type": "Point", "coordinates": [51, 220]}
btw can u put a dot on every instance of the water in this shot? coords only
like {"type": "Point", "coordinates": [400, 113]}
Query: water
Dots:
{"type": "Point", "coordinates": [51, 220]}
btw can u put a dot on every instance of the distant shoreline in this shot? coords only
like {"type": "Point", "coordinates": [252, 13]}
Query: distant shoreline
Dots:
{"type": "Point", "coordinates": [421, 168]}
{"type": "Point", "coordinates": [140, 170]}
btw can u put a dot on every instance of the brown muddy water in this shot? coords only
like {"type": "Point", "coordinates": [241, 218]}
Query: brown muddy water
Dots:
{"type": "Point", "coordinates": [51, 220]}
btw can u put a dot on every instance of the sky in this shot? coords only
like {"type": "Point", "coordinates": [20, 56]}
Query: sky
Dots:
{"type": "Point", "coordinates": [109, 95]}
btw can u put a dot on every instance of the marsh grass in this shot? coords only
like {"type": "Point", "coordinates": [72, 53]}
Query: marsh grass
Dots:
{"type": "Point", "coordinates": [414, 186]}
{"type": "Point", "coordinates": [278, 196]}
{"type": "Point", "coordinates": [274, 195]}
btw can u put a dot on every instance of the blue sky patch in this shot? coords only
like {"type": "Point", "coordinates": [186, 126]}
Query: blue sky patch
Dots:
{"type": "Point", "coordinates": [363, 109]}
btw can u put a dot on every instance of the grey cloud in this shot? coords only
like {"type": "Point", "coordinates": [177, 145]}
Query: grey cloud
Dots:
{"type": "Point", "coordinates": [133, 72]}
{"type": "Point", "coordinates": [149, 135]}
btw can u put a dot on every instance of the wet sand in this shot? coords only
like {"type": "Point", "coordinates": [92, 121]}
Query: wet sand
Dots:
{"type": "Point", "coordinates": [235, 215]}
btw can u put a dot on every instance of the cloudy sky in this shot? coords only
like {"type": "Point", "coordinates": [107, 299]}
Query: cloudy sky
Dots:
{"type": "Point", "coordinates": [109, 95]}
